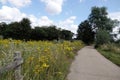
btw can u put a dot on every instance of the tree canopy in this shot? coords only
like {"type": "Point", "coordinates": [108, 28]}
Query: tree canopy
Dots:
{"type": "Point", "coordinates": [98, 23]}
{"type": "Point", "coordinates": [98, 19]}
{"type": "Point", "coordinates": [22, 30]}
{"type": "Point", "coordinates": [85, 32]}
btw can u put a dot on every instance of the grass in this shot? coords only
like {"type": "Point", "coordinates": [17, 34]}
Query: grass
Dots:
{"type": "Point", "coordinates": [111, 51]}
{"type": "Point", "coordinates": [43, 60]}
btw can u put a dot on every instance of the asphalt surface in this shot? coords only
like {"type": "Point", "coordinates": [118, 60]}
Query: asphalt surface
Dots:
{"type": "Point", "coordinates": [91, 65]}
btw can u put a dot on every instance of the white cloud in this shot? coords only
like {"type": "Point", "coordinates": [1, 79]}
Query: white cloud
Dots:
{"type": "Point", "coordinates": [17, 3]}
{"type": "Point", "coordinates": [53, 6]}
{"type": "Point", "coordinates": [8, 14]}
{"type": "Point", "coordinates": [3, 1]}
{"type": "Point", "coordinates": [44, 21]}
{"type": "Point", "coordinates": [114, 15]}
{"type": "Point", "coordinates": [33, 20]}
{"type": "Point", "coordinates": [68, 24]}
{"type": "Point", "coordinates": [11, 14]}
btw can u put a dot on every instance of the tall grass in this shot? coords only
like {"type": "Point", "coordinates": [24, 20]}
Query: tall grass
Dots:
{"type": "Point", "coordinates": [43, 60]}
{"type": "Point", "coordinates": [111, 51]}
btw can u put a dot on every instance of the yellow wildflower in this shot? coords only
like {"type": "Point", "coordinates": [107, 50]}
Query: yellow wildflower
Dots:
{"type": "Point", "coordinates": [45, 65]}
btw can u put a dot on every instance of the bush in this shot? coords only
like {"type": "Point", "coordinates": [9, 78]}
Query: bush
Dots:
{"type": "Point", "coordinates": [102, 37]}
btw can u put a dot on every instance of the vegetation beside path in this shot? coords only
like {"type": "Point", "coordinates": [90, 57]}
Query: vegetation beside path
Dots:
{"type": "Point", "coordinates": [111, 51]}
{"type": "Point", "coordinates": [43, 60]}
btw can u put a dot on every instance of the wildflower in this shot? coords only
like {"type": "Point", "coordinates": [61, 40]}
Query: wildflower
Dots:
{"type": "Point", "coordinates": [43, 59]}
{"type": "Point", "coordinates": [45, 65]}
{"type": "Point", "coordinates": [37, 69]}
{"type": "Point", "coordinates": [30, 59]}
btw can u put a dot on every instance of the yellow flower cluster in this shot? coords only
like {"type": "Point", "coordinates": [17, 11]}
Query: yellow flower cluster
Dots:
{"type": "Point", "coordinates": [30, 59]}
{"type": "Point", "coordinates": [43, 60]}
{"type": "Point", "coordinates": [40, 68]}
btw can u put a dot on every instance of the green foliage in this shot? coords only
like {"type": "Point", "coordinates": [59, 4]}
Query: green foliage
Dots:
{"type": "Point", "coordinates": [12, 30]}
{"type": "Point", "coordinates": [25, 28]}
{"type": "Point", "coordinates": [38, 34]}
{"type": "Point", "coordinates": [111, 51]}
{"type": "Point", "coordinates": [52, 33]}
{"type": "Point", "coordinates": [3, 27]}
{"type": "Point", "coordinates": [102, 37]}
{"type": "Point", "coordinates": [85, 32]}
{"type": "Point", "coordinates": [99, 20]}
{"type": "Point", "coordinates": [66, 35]}
{"type": "Point", "coordinates": [22, 31]}
{"type": "Point", "coordinates": [101, 24]}
{"type": "Point", "coordinates": [17, 30]}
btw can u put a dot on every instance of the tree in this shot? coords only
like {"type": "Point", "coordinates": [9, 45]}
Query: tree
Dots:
{"type": "Point", "coordinates": [45, 33]}
{"type": "Point", "coordinates": [102, 37]}
{"type": "Point", "coordinates": [52, 32]}
{"type": "Point", "coordinates": [66, 34]}
{"type": "Point", "coordinates": [3, 27]}
{"type": "Point", "coordinates": [38, 33]}
{"type": "Point", "coordinates": [25, 28]}
{"type": "Point", "coordinates": [17, 30]}
{"type": "Point", "coordinates": [99, 20]}
{"type": "Point", "coordinates": [12, 31]}
{"type": "Point", "coordinates": [22, 30]}
{"type": "Point", "coordinates": [85, 32]}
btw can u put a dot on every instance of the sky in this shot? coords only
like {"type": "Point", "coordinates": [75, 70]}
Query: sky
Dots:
{"type": "Point", "coordinates": [65, 14]}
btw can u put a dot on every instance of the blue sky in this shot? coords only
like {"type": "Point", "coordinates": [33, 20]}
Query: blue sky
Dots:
{"type": "Point", "coordinates": [66, 14]}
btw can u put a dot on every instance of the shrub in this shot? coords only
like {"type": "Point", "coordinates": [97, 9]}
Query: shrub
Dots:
{"type": "Point", "coordinates": [102, 37]}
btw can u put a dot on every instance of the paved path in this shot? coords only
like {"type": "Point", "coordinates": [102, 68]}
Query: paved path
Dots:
{"type": "Point", "coordinates": [91, 65]}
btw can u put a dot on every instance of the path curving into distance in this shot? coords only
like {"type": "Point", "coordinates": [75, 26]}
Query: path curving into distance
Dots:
{"type": "Point", "coordinates": [91, 65]}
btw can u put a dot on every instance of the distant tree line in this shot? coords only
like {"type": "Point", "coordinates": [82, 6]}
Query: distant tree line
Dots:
{"type": "Point", "coordinates": [22, 31]}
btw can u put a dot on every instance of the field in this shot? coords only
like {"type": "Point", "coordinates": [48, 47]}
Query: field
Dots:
{"type": "Point", "coordinates": [43, 60]}
{"type": "Point", "coordinates": [111, 51]}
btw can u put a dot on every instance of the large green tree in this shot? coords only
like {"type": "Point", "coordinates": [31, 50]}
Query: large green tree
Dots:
{"type": "Point", "coordinates": [85, 32]}
{"type": "Point", "coordinates": [100, 23]}
{"type": "Point", "coordinates": [17, 30]}
{"type": "Point", "coordinates": [25, 28]}
{"type": "Point", "coordinates": [99, 20]}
